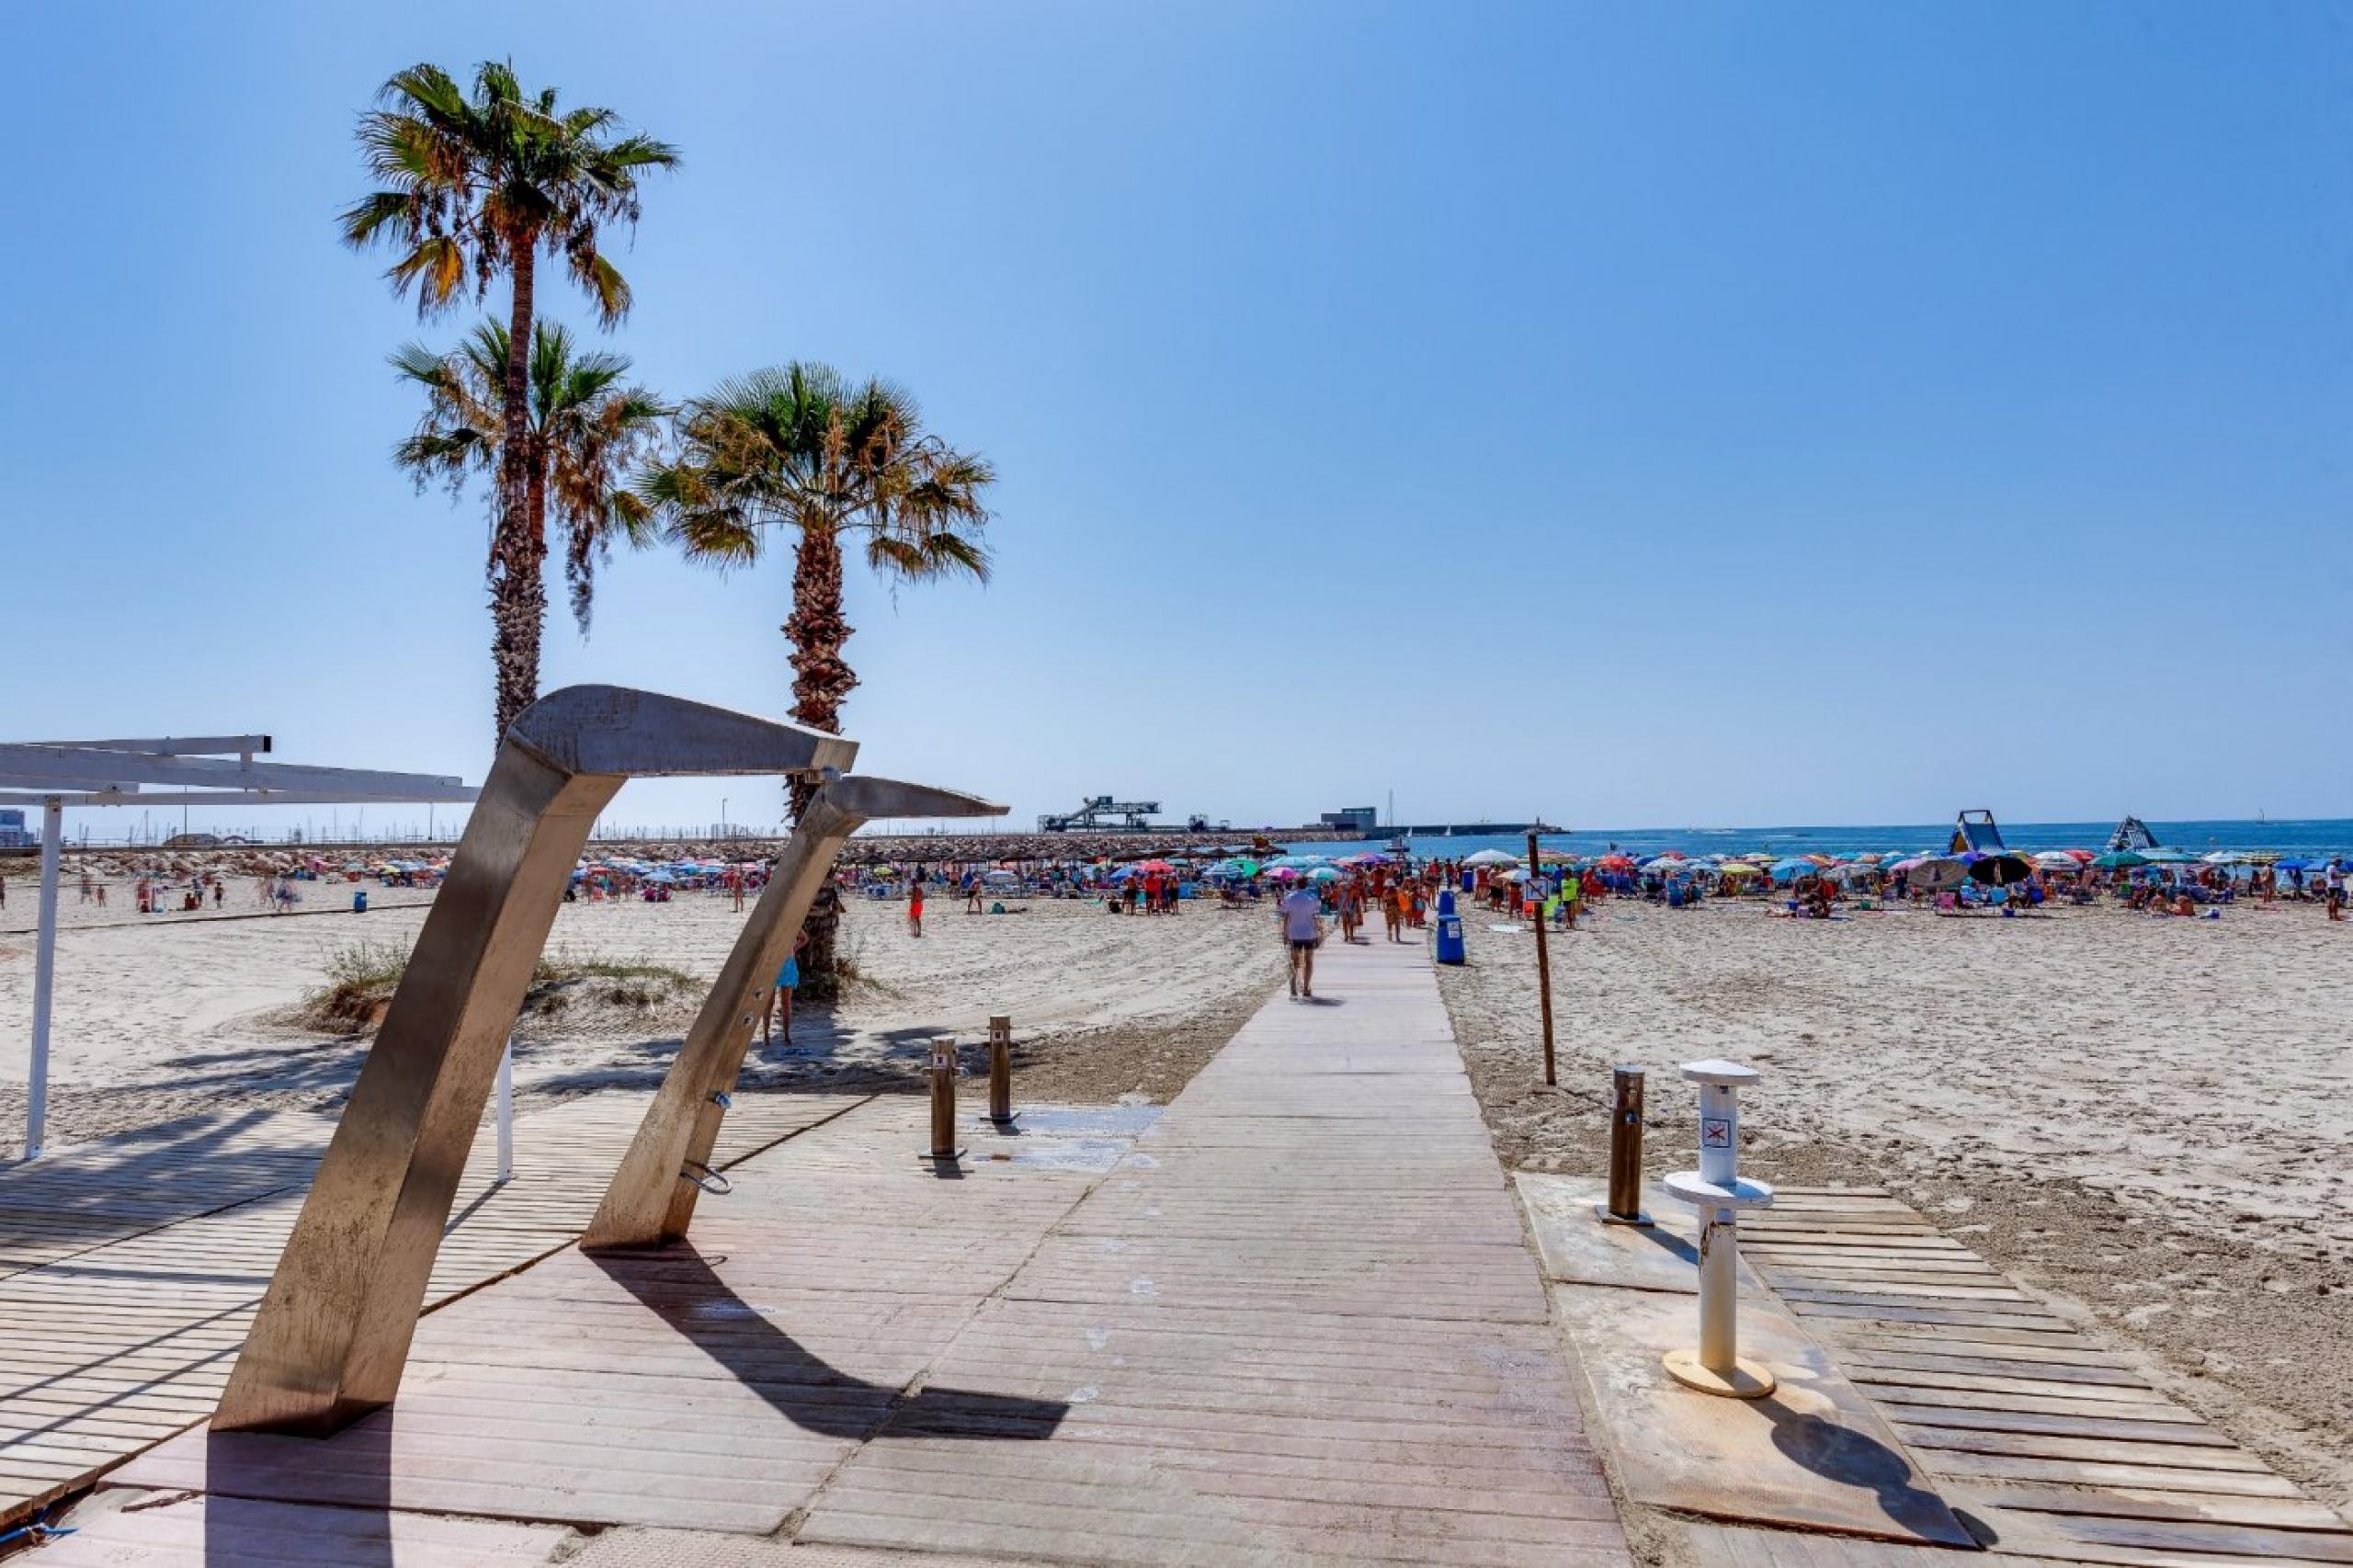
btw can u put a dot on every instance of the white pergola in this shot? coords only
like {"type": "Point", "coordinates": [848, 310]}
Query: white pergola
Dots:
{"type": "Point", "coordinates": [195, 770]}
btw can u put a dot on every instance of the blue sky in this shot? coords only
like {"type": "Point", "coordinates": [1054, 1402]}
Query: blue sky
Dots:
{"type": "Point", "coordinates": [1718, 414]}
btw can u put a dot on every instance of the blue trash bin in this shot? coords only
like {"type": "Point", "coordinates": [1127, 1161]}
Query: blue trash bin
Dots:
{"type": "Point", "coordinates": [1450, 939]}
{"type": "Point", "coordinates": [1445, 903]}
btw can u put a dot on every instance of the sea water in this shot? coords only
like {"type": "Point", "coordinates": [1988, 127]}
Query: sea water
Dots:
{"type": "Point", "coordinates": [2316, 839]}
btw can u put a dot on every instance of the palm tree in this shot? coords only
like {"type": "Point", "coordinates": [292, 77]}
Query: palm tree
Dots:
{"type": "Point", "coordinates": [586, 430]}
{"type": "Point", "coordinates": [800, 448]}
{"type": "Point", "coordinates": [473, 188]}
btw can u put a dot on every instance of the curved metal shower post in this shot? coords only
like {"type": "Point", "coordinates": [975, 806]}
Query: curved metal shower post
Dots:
{"type": "Point", "coordinates": [651, 1198]}
{"type": "Point", "coordinates": [334, 1330]}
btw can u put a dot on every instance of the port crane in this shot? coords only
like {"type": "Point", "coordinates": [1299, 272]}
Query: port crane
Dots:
{"type": "Point", "coordinates": [1095, 813]}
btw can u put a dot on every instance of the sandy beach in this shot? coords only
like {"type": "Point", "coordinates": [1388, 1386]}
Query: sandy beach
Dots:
{"type": "Point", "coordinates": [180, 1015]}
{"type": "Point", "coordinates": [2137, 1116]}
{"type": "Point", "coordinates": [2141, 1116]}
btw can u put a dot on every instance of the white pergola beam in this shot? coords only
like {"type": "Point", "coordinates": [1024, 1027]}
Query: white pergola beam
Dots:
{"type": "Point", "coordinates": [109, 773]}
{"type": "Point", "coordinates": [461, 795]}
{"type": "Point", "coordinates": [70, 767]}
{"type": "Point", "coordinates": [171, 745]}
{"type": "Point", "coordinates": [52, 839]}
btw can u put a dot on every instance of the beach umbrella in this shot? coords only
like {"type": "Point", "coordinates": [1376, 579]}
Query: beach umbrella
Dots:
{"type": "Point", "coordinates": [1938, 875]}
{"type": "Point", "coordinates": [2000, 870]}
{"type": "Point", "coordinates": [2226, 857]}
{"type": "Point", "coordinates": [1848, 873]}
{"type": "Point", "coordinates": [1283, 874]}
{"type": "Point", "coordinates": [1323, 874]}
{"type": "Point", "coordinates": [2118, 860]}
{"type": "Point", "coordinates": [2167, 857]}
{"type": "Point", "coordinates": [2080, 857]}
{"type": "Point", "coordinates": [1491, 857]}
{"type": "Point", "coordinates": [2055, 860]}
{"type": "Point", "coordinates": [1732, 868]}
{"type": "Point", "coordinates": [1520, 875]}
{"type": "Point", "coordinates": [1155, 866]}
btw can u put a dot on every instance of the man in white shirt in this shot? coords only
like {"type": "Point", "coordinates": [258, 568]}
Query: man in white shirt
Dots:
{"type": "Point", "coordinates": [1300, 910]}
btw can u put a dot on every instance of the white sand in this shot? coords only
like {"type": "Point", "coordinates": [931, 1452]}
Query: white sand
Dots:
{"type": "Point", "coordinates": [173, 1013]}
{"type": "Point", "coordinates": [2148, 1115]}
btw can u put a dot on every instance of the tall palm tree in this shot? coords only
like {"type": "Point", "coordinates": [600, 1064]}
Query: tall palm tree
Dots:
{"type": "Point", "coordinates": [586, 427]}
{"type": "Point", "coordinates": [799, 449]}
{"type": "Point", "coordinates": [473, 188]}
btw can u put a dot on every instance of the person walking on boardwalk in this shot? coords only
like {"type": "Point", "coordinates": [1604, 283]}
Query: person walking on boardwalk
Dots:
{"type": "Point", "coordinates": [1299, 916]}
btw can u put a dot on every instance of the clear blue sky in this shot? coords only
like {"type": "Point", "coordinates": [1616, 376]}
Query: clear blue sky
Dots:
{"type": "Point", "coordinates": [1695, 414]}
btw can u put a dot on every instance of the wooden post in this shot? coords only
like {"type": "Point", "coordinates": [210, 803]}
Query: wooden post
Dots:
{"type": "Point", "coordinates": [1001, 1068]}
{"type": "Point", "coordinates": [1625, 1204]}
{"type": "Point", "coordinates": [943, 1100]}
{"type": "Point", "coordinates": [1543, 970]}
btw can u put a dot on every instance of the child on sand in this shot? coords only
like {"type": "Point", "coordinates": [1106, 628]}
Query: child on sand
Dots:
{"type": "Point", "coordinates": [914, 908]}
{"type": "Point", "coordinates": [780, 999]}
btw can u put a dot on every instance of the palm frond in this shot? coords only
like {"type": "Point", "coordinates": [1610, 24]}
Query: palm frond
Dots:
{"type": "Point", "coordinates": [436, 268]}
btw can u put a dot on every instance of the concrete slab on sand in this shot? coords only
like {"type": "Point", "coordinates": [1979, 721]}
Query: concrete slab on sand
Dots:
{"type": "Point", "coordinates": [1579, 1250]}
{"type": "Point", "coordinates": [1811, 1455]}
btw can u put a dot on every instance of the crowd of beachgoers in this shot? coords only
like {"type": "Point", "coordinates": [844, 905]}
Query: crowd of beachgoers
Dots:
{"type": "Point", "coordinates": [2152, 879]}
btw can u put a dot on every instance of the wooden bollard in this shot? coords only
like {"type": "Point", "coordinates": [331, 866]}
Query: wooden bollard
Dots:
{"type": "Point", "coordinates": [943, 1100]}
{"type": "Point", "coordinates": [1001, 1068]}
{"type": "Point", "coordinates": [1625, 1203]}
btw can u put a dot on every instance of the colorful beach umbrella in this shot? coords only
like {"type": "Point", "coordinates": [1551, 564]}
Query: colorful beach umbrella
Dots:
{"type": "Point", "coordinates": [2000, 870]}
{"type": "Point", "coordinates": [1938, 875]}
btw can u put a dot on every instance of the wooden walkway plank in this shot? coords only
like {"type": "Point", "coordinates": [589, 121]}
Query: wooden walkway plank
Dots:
{"type": "Point", "coordinates": [122, 1330]}
{"type": "Point", "coordinates": [2053, 1445]}
{"type": "Point", "coordinates": [1308, 1364]}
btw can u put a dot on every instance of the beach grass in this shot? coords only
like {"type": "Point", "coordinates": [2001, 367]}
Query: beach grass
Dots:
{"type": "Point", "coordinates": [362, 977]}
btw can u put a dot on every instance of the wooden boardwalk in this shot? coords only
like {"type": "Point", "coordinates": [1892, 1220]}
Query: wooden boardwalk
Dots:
{"type": "Point", "coordinates": [1297, 1322]}
{"type": "Point", "coordinates": [130, 1268]}
{"type": "Point", "coordinates": [2048, 1445]}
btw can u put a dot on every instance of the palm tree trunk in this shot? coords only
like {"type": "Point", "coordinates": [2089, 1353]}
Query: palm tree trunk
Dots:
{"type": "Point", "coordinates": [821, 680]}
{"type": "Point", "coordinates": [517, 595]}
